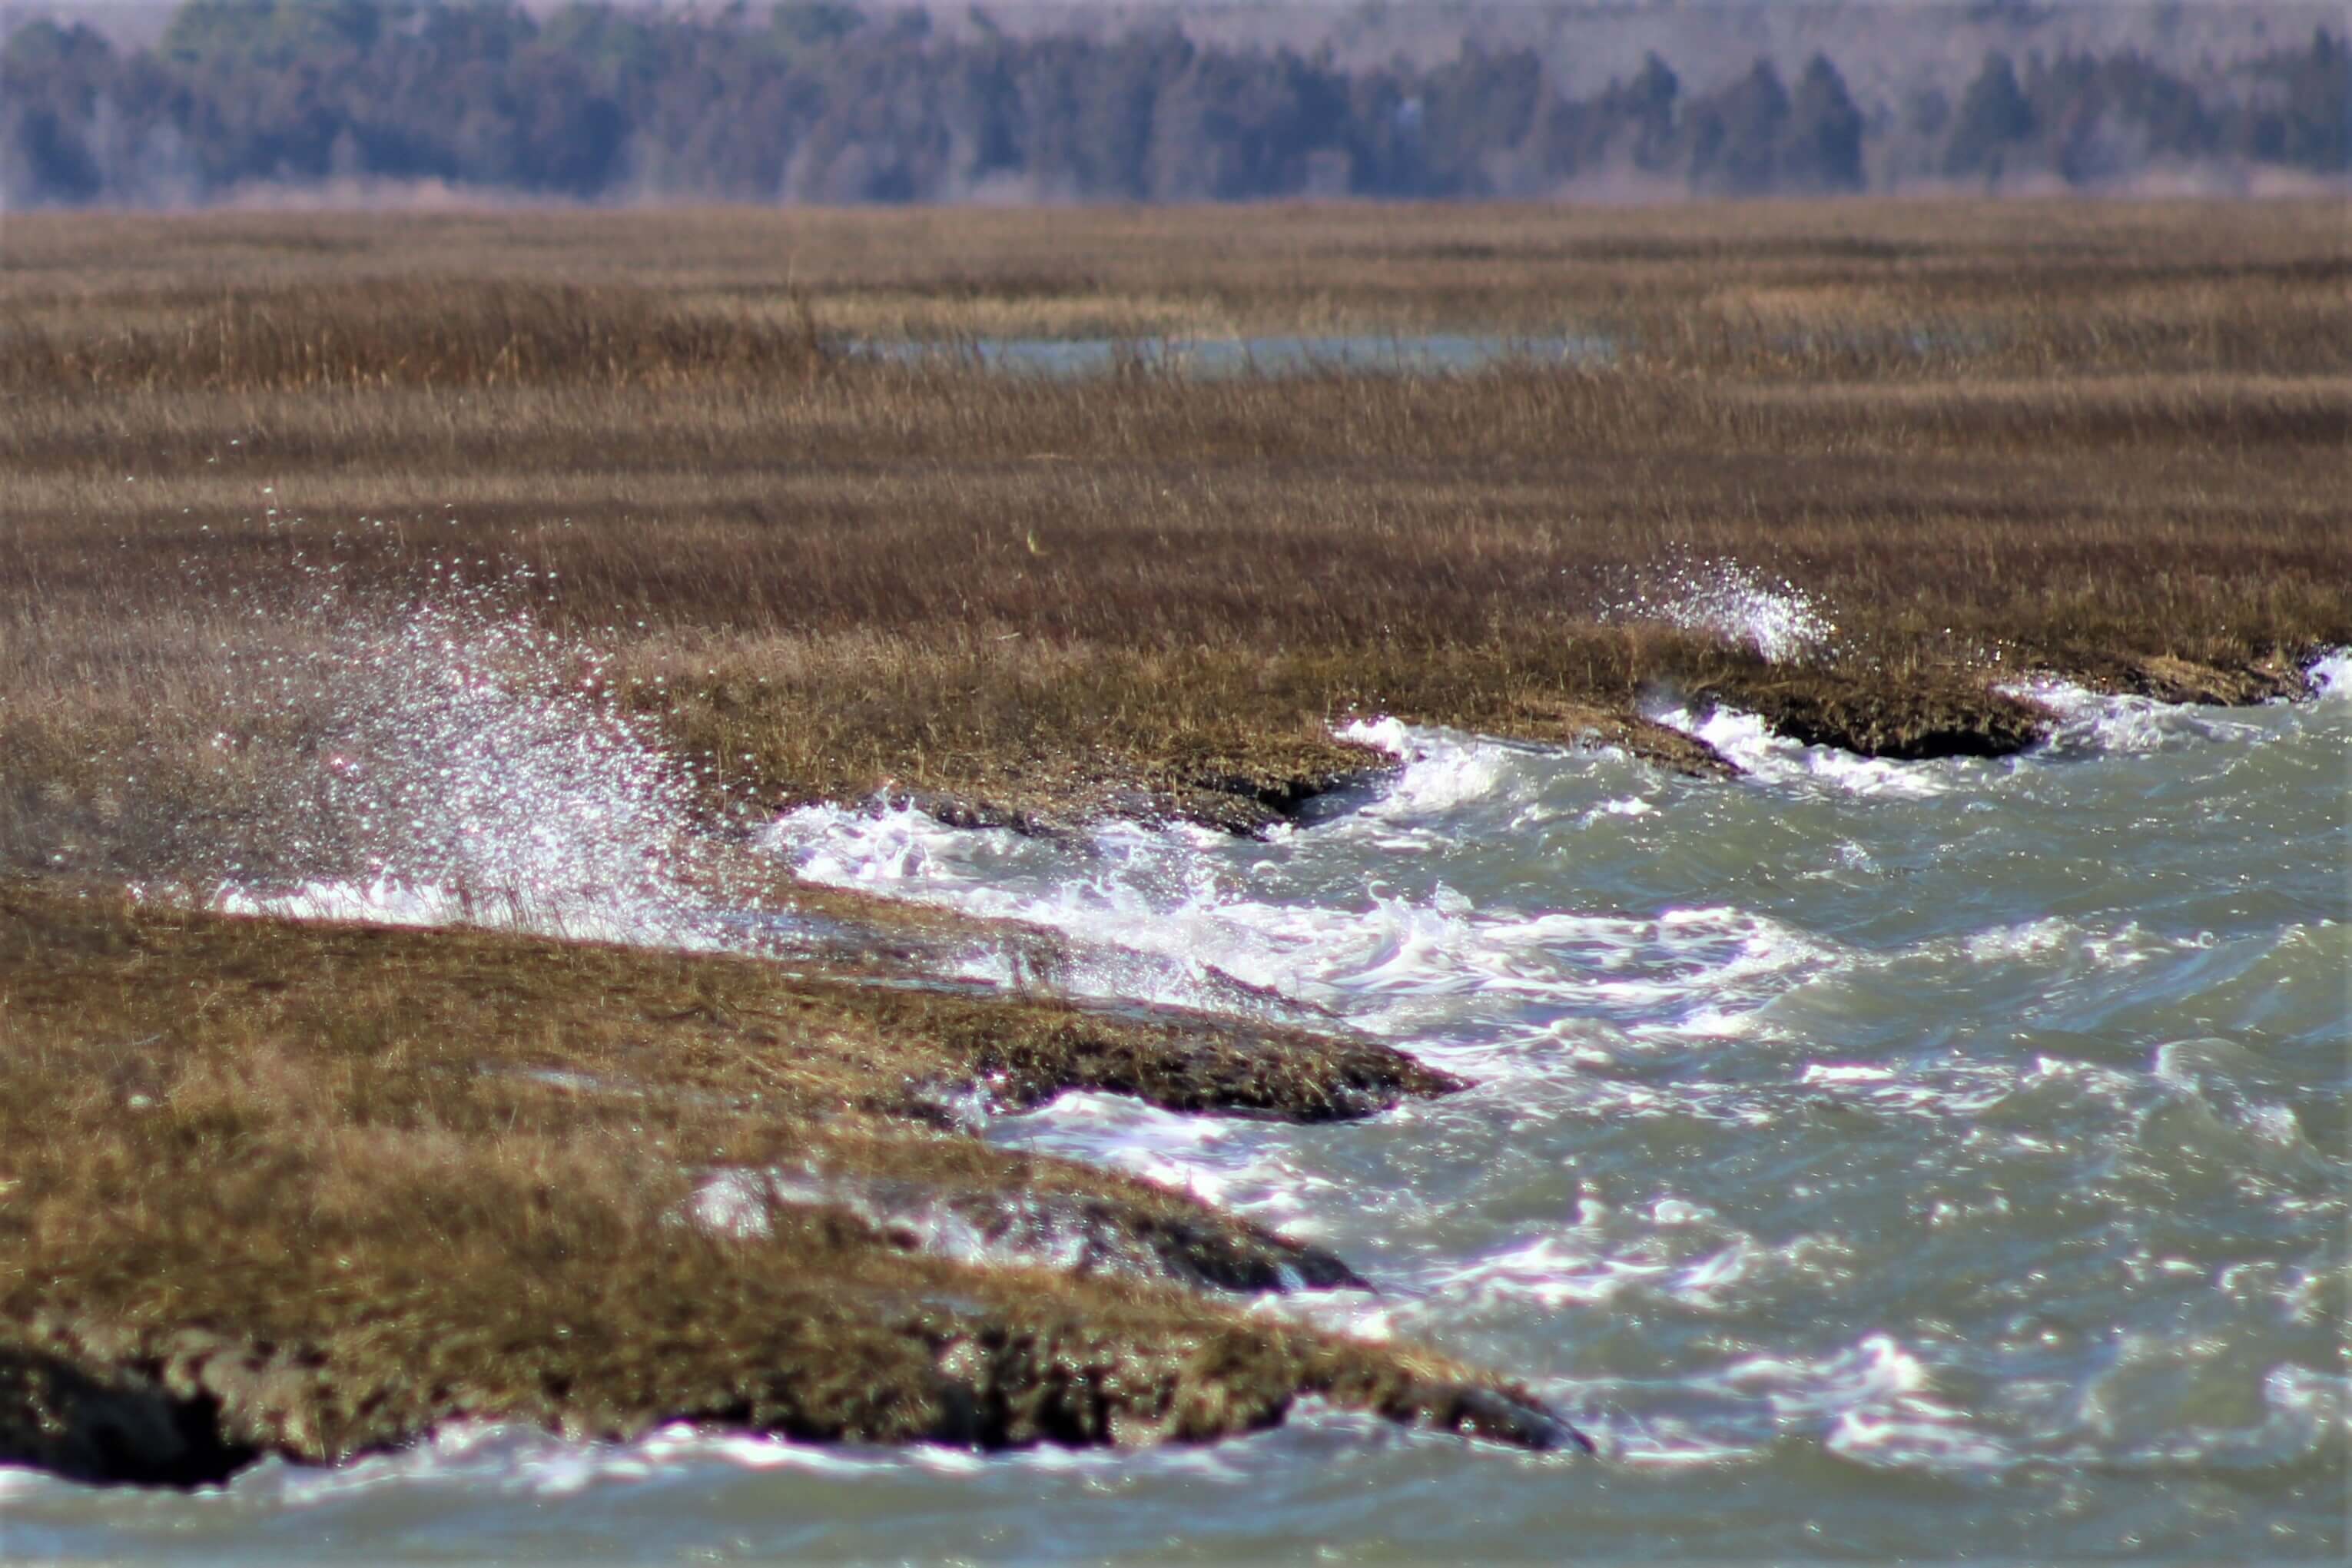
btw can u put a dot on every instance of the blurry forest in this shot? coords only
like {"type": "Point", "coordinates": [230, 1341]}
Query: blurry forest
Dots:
{"type": "Point", "coordinates": [817, 102]}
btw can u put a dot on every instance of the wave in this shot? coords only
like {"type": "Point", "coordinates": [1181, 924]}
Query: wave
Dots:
{"type": "Point", "coordinates": [2088, 724]}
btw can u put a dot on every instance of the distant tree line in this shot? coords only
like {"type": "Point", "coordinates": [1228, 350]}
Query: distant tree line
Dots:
{"type": "Point", "coordinates": [818, 102]}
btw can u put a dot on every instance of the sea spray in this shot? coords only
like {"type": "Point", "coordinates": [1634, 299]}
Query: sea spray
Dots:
{"type": "Point", "coordinates": [444, 758]}
{"type": "Point", "coordinates": [1720, 597]}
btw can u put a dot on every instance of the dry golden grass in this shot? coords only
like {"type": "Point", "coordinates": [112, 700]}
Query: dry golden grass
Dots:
{"type": "Point", "coordinates": [404, 331]}
{"type": "Point", "coordinates": [1153, 594]}
{"type": "Point", "coordinates": [2213, 286]}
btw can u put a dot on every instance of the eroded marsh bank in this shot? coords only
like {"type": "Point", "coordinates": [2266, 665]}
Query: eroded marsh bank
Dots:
{"type": "Point", "coordinates": [357, 1182]}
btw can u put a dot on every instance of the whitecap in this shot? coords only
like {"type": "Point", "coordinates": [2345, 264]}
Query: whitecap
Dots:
{"type": "Point", "coordinates": [1177, 898]}
{"type": "Point", "coordinates": [2331, 674]}
{"type": "Point", "coordinates": [1746, 741]}
{"type": "Point", "coordinates": [1875, 1404]}
{"type": "Point", "coordinates": [2096, 723]}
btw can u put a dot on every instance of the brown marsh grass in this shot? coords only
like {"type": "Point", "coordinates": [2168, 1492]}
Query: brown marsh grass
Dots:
{"type": "Point", "coordinates": [1980, 436]}
{"type": "Point", "coordinates": [2208, 286]}
{"type": "Point", "coordinates": [329, 1186]}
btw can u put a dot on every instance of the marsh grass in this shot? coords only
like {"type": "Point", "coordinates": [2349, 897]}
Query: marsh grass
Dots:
{"type": "Point", "coordinates": [336, 1184]}
{"type": "Point", "coordinates": [1061, 598]}
{"type": "Point", "coordinates": [2202, 285]}
{"type": "Point", "coordinates": [327, 1186]}
{"type": "Point", "coordinates": [401, 331]}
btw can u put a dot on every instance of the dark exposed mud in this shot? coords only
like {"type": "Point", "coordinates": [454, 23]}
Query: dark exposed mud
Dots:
{"type": "Point", "coordinates": [1906, 724]}
{"type": "Point", "coordinates": [55, 1417]}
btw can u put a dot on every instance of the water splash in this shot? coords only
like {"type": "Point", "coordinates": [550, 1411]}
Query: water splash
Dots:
{"type": "Point", "coordinates": [2093, 723]}
{"type": "Point", "coordinates": [446, 759]}
{"type": "Point", "coordinates": [1748, 742]}
{"type": "Point", "coordinates": [2331, 674]}
{"type": "Point", "coordinates": [1720, 597]}
{"type": "Point", "coordinates": [1299, 920]}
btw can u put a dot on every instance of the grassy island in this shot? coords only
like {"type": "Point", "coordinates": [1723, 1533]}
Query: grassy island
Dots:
{"type": "Point", "coordinates": [309, 1189]}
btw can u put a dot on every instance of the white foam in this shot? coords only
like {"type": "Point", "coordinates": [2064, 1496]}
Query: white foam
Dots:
{"type": "Point", "coordinates": [2321, 1399]}
{"type": "Point", "coordinates": [2331, 674]}
{"type": "Point", "coordinates": [1179, 896]}
{"type": "Point", "coordinates": [1549, 1273]}
{"type": "Point", "coordinates": [2055, 936]}
{"type": "Point", "coordinates": [1748, 742]}
{"type": "Point", "coordinates": [1390, 735]}
{"type": "Point", "coordinates": [1221, 1162]}
{"type": "Point", "coordinates": [2093, 723]}
{"type": "Point", "coordinates": [1444, 770]}
{"type": "Point", "coordinates": [2088, 723]}
{"type": "Point", "coordinates": [520, 1461]}
{"type": "Point", "coordinates": [1875, 1404]}
{"type": "Point", "coordinates": [1844, 1073]}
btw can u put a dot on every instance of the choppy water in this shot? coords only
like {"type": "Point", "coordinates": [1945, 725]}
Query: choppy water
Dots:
{"type": "Point", "coordinates": [1879, 1159]}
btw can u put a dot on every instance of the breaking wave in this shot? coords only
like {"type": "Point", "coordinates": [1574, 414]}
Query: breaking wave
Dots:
{"type": "Point", "coordinates": [2090, 724]}
{"type": "Point", "coordinates": [1522, 913]}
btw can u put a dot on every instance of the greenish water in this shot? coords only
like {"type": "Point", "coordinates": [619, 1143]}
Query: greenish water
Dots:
{"type": "Point", "coordinates": [1880, 1160]}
